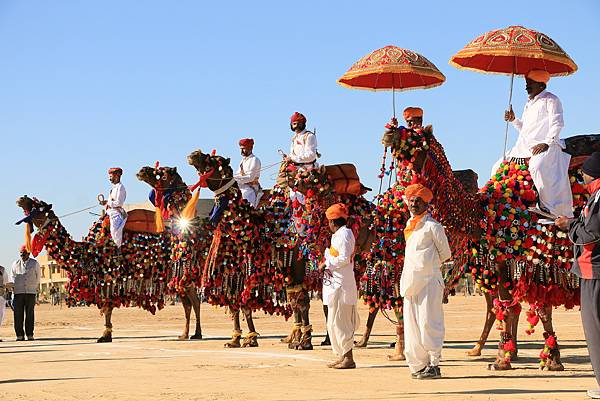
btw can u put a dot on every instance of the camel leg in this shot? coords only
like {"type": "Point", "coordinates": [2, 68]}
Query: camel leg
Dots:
{"type": "Point", "coordinates": [304, 306]}
{"type": "Point", "coordinates": [237, 332]}
{"type": "Point", "coordinates": [294, 336]}
{"type": "Point", "coordinates": [490, 318]}
{"type": "Point", "coordinates": [506, 343]}
{"type": "Point", "coordinates": [515, 331]}
{"type": "Point", "coordinates": [398, 354]}
{"type": "Point", "coordinates": [251, 340]}
{"type": "Point", "coordinates": [187, 308]}
{"type": "Point", "coordinates": [551, 347]}
{"type": "Point", "coordinates": [370, 321]}
{"type": "Point", "coordinates": [195, 301]}
{"type": "Point", "coordinates": [327, 340]}
{"type": "Point", "coordinates": [107, 334]}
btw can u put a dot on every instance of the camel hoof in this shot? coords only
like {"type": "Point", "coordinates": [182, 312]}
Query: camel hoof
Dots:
{"type": "Point", "coordinates": [197, 336]}
{"type": "Point", "coordinates": [361, 344]}
{"type": "Point", "coordinates": [474, 352]}
{"type": "Point", "coordinates": [499, 366]}
{"type": "Point", "coordinates": [555, 367]}
{"type": "Point", "coordinates": [232, 344]}
{"type": "Point", "coordinates": [104, 340]}
{"type": "Point", "coordinates": [396, 357]}
{"type": "Point", "coordinates": [183, 337]}
{"type": "Point", "coordinates": [304, 347]}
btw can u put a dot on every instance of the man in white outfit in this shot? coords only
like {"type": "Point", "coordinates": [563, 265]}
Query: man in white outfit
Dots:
{"type": "Point", "coordinates": [303, 150]}
{"type": "Point", "coordinates": [422, 285]}
{"type": "Point", "coordinates": [24, 278]}
{"type": "Point", "coordinates": [339, 288]}
{"type": "Point", "coordinates": [248, 173]}
{"type": "Point", "coordinates": [4, 287]}
{"type": "Point", "coordinates": [114, 205]}
{"type": "Point", "coordinates": [539, 129]}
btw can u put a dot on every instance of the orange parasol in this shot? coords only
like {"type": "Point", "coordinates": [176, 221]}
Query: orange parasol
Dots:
{"type": "Point", "coordinates": [513, 50]}
{"type": "Point", "coordinates": [392, 68]}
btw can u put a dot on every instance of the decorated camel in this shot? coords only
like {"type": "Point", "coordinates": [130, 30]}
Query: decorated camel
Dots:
{"type": "Point", "coordinates": [101, 274]}
{"type": "Point", "coordinates": [266, 258]}
{"type": "Point", "coordinates": [170, 195]}
{"type": "Point", "coordinates": [513, 255]}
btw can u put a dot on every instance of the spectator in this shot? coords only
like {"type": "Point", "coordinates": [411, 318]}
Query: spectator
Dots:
{"type": "Point", "coordinates": [25, 277]}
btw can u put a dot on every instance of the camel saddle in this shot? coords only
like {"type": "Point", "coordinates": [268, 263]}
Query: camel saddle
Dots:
{"type": "Point", "coordinates": [580, 147]}
{"type": "Point", "coordinates": [141, 221]}
{"type": "Point", "coordinates": [345, 180]}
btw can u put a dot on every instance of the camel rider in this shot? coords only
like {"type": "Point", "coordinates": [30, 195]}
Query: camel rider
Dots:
{"type": "Point", "coordinates": [248, 173]}
{"type": "Point", "coordinates": [413, 117]}
{"type": "Point", "coordinates": [303, 150]}
{"type": "Point", "coordinates": [114, 205]}
{"type": "Point", "coordinates": [539, 141]}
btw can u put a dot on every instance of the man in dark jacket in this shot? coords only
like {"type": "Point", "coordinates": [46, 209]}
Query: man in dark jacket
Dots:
{"type": "Point", "coordinates": [584, 232]}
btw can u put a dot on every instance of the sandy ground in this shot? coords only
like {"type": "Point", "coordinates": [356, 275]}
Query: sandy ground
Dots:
{"type": "Point", "coordinates": [145, 361]}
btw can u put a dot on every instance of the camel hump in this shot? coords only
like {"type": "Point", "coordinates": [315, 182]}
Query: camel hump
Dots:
{"type": "Point", "coordinates": [140, 221]}
{"type": "Point", "coordinates": [581, 146]}
{"type": "Point", "coordinates": [345, 180]}
{"type": "Point", "coordinates": [468, 179]}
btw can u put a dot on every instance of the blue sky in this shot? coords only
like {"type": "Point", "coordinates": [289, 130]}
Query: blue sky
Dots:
{"type": "Point", "coordinates": [87, 85]}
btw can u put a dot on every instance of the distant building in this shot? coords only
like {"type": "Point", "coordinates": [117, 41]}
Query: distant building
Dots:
{"type": "Point", "coordinates": [52, 275]}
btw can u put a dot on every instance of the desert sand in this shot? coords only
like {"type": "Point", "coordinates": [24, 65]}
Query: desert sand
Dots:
{"type": "Point", "coordinates": [145, 361]}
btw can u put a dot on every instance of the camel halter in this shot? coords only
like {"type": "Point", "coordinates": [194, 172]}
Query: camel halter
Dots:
{"type": "Point", "coordinates": [225, 187]}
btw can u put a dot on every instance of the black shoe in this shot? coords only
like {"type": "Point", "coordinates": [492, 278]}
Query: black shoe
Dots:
{"type": "Point", "coordinates": [20, 338]}
{"type": "Point", "coordinates": [416, 374]}
{"type": "Point", "coordinates": [431, 372]}
{"type": "Point", "coordinates": [30, 338]}
{"type": "Point", "coordinates": [325, 342]}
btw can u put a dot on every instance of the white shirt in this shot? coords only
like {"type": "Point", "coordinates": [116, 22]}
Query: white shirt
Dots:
{"type": "Point", "coordinates": [116, 198]}
{"type": "Point", "coordinates": [25, 275]}
{"type": "Point", "coordinates": [249, 170]}
{"type": "Point", "coordinates": [304, 147]}
{"type": "Point", "coordinates": [426, 249]}
{"type": "Point", "coordinates": [339, 270]}
{"type": "Point", "coordinates": [541, 122]}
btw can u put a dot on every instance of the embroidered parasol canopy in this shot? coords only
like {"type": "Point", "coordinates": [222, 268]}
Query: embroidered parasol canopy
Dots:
{"type": "Point", "coordinates": [515, 50]}
{"type": "Point", "coordinates": [392, 68]}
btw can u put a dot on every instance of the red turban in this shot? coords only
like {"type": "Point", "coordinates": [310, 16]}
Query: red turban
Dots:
{"type": "Point", "coordinates": [538, 76]}
{"type": "Point", "coordinates": [299, 117]}
{"type": "Point", "coordinates": [115, 170]}
{"type": "Point", "coordinates": [23, 248]}
{"type": "Point", "coordinates": [411, 112]}
{"type": "Point", "coordinates": [420, 191]}
{"type": "Point", "coordinates": [336, 211]}
{"type": "Point", "coordinates": [247, 142]}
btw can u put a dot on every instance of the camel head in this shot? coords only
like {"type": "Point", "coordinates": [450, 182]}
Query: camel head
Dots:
{"type": "Point", "coordinates": [407, 144]}
{"type": "Point", "coordinates": [216, 168]}
{"type": "Point", "coordinates": [163, 177]}
{"type": "Point", "coordinates": [38, 211]}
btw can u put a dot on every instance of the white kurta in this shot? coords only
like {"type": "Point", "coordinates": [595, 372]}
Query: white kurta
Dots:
{"type": "Point", "coordinates": [340, 293]}
{"type": "Point", "coordinates": [247, 176]}
{"type": "Point", "coordinates": [541, 122]}
{"type": "Point", "coordinates": [422, 287]}
{"type": "Point", "coordinates": [116, 213]}
{"type": "Point", "coordinates": [303, 149]}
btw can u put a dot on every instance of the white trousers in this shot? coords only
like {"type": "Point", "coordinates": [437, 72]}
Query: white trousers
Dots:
{"type": "Point", "coordinates": [2, 309]}
{"type": "Point", "coordinates": [424, 326]}
{"type": "Point", "coordinates": [550, 174]}
{"type": "Point", "coordinates": [117, 224]}
{"type": "Point", "coordinates": [342, 322]}
{"type": "Point", "coordinates": [252, 193]}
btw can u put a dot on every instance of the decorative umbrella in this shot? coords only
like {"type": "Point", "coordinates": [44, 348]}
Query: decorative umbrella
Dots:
{"type": "Point", "coordinates": [392, 68]}
{"type": "Point", "coordinates": [513, 50]}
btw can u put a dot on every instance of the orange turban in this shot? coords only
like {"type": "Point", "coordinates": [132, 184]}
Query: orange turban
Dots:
{"type": "Point", "coordinates": [411, 112]}
{"type": "Point", "coordinates": [247, 142]}
{"type": "Point", "coordinates": [115, 170]}
{"type": "Point", "coordinates": [336, 211]}
{"type": "Point", "coordinates": [418, 190]}
{"type": "Point", "coordinates": [299, 117]}
{"type": "Point", "coordinates": [538, 76]}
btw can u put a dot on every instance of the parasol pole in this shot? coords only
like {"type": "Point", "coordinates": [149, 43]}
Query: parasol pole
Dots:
{"type": "Point", "coordinates": [394, 100]}
{"type": "Point", "coordinates": [512, 79]}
